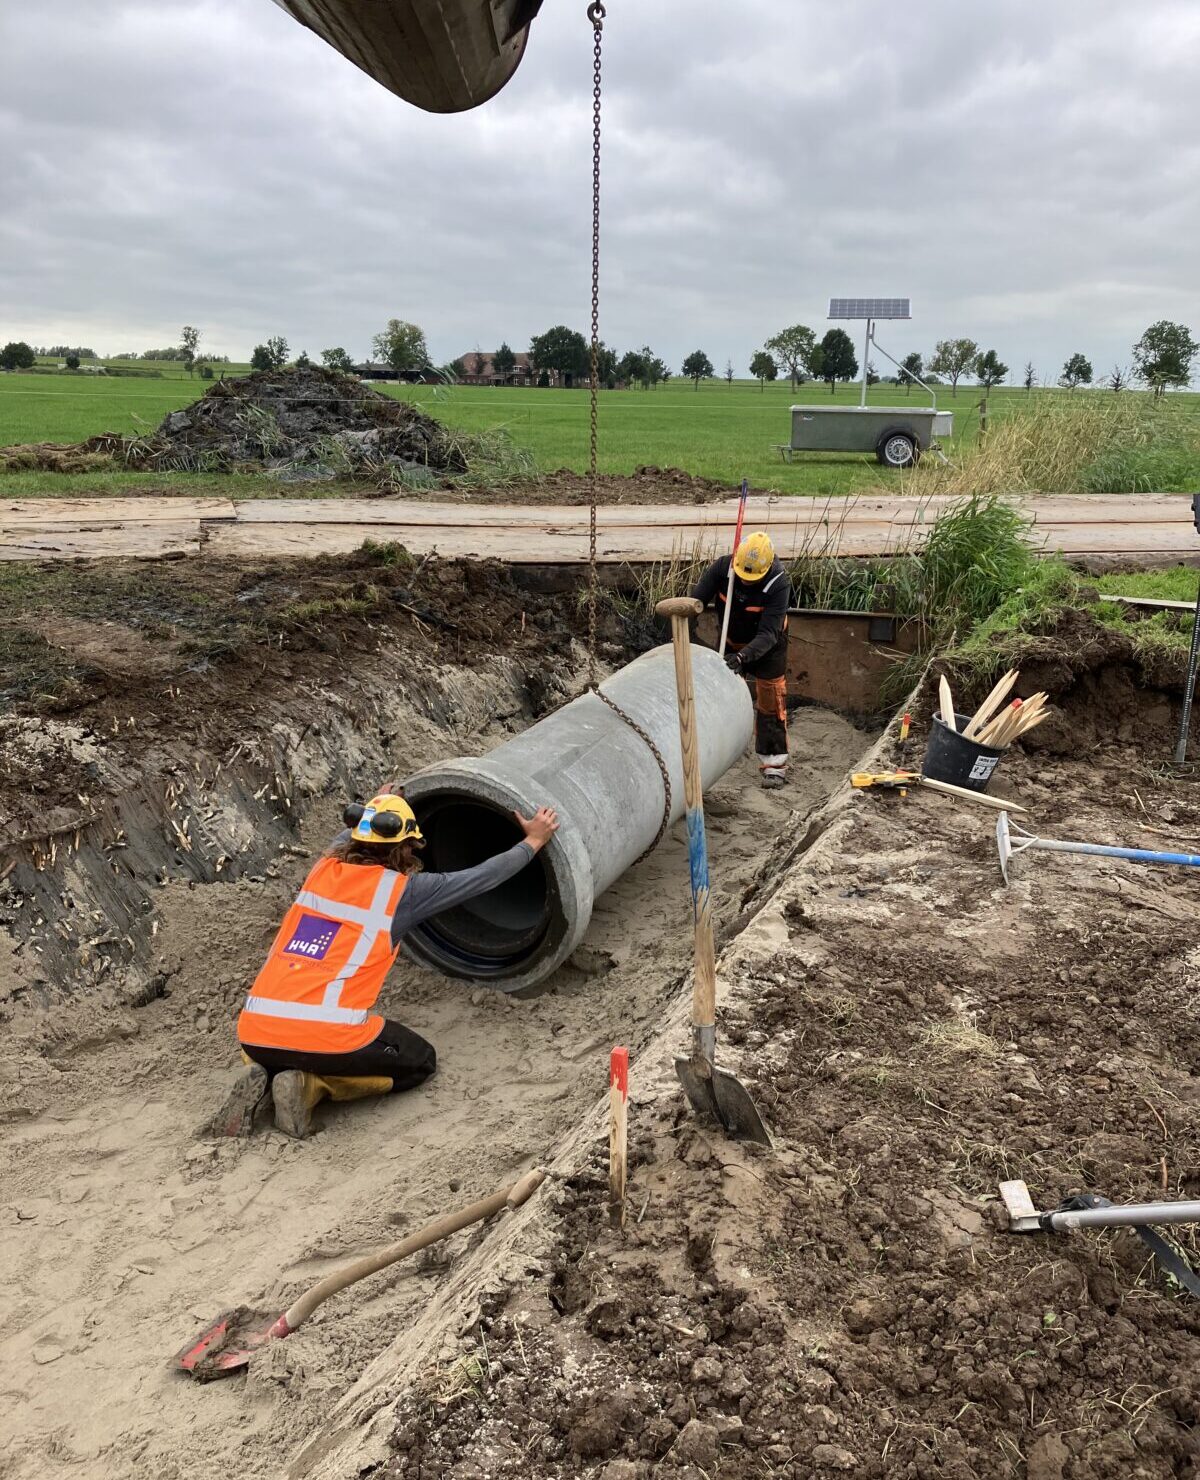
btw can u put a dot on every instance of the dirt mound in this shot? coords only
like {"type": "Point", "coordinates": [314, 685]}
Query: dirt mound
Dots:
{"type": "Point", "coordinates": [303, 420]}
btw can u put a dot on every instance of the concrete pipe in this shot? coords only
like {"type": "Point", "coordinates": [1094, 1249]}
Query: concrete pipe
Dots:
{"type": "Point", "coordinates": [601, 778]}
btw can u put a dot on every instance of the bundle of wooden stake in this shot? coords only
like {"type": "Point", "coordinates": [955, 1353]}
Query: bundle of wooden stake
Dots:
{"type": "Point", "coordinates": [990, 724]}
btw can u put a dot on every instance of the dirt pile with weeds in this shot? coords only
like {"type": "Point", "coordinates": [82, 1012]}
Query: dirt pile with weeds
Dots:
{"type": "Point", "coordinates": [853, 1302]}
{"type": "Point", "coordinates": [303, 421]}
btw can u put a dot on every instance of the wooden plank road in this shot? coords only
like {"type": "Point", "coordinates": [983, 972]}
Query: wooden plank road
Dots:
{"type": "Point", "coordinates": [1134, 526]}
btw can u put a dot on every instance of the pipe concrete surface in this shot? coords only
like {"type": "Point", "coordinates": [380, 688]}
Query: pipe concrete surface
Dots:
{"type": "Point", "coordinates": [604, 783]}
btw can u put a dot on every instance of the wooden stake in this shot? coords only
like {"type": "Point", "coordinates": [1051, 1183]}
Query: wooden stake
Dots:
{"type": "Point", "coordinates": [618, 1133]}
{"type": "Point", "coordinates": [946, 702]}
{"type": "Point", "coordinates": [996, 697]}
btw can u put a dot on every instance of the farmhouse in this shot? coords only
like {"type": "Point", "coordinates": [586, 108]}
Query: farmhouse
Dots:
{"type": "Point", "coordinates": [479, 368]}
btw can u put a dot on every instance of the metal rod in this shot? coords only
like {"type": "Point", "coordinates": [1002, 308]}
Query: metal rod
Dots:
{"type": "Point", "coordinates": [1185, 722]}
{"type": "Point", "coordinates": [1138, 855]}
{"type": "Point", "coordinates": [1136, 1215]}
{"type": "Point", "coordinates": [867, 360]}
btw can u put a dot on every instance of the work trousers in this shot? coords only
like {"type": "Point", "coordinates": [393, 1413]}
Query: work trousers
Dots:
{"type": "Point", "coordinates": [397, 1054]}
{"type": "Point", "coordinates": [770, 703]}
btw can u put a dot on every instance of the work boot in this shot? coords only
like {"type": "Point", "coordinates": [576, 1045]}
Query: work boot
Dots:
{"type": "Point", "coordinates": [236, 1116]}
{"type": "Point", "coordinates": [773, 777]}
{"type": "Point", "coordinates": [297, 1095]}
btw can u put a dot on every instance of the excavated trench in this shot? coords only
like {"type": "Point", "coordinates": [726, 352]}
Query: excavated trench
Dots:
{"type": "Point", "coordinates": [129, 944]}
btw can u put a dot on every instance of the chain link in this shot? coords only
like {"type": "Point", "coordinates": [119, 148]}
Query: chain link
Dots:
{"type": "Point", "coordinates": [596, 14]}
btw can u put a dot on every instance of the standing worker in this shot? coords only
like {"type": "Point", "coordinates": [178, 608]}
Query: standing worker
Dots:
{"type": "Point", "coordinates": [307, 1028]}
{"type": "Point", "coordinates": [757, 643]}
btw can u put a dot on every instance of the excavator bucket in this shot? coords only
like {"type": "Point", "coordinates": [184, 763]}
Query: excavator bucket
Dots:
{"type": "Point", "coordinates": [442, 55]}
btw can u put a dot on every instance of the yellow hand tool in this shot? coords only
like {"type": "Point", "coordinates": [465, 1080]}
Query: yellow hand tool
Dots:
{"type": "Point", "coordinates": [902, 780]}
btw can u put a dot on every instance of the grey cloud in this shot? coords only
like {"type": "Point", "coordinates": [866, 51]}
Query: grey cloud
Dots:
{"type": "Point", "coordinates": [1025, 171]}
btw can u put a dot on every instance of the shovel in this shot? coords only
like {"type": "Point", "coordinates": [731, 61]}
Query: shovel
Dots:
{"type": "Point", "coordinates": [226, 1346]}
{"type": "Point", "coordinates": [712, 1091]}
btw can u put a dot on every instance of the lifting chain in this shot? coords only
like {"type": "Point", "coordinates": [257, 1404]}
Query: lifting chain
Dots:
{"type": "Point", "coordinates": [596, 14]}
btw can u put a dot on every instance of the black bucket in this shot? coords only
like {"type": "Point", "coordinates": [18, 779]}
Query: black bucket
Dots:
{"type": "Point", "coordinates": [951, 757]}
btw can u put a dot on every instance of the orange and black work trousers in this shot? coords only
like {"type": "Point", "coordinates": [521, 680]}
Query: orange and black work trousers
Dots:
{"type": "Point", "coordinates": [770, 695]}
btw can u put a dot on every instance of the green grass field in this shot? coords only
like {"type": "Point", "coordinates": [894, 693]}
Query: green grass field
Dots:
{"type": "Point", "coordinates": [720, 431]}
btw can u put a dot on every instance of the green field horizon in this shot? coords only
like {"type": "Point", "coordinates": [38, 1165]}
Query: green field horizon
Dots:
{"type": "Point", "coordinates": [720, 431]}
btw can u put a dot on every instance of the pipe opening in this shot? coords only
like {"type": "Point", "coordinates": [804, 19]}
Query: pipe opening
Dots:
{"type": "Point", "coordinates": [489, 935]}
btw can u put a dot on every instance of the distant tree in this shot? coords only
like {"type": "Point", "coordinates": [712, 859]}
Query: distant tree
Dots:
{"type": "Point", "coordinates": [763, 368]}
{"type": "Point", "coordinates": [189, 338]}
{"type": "Point", "coordinates": [72, 362]}
{"type": "Point", "coordinates": [953, 357]}
{"type": "Point", "coordinates": [698, 367]}
{"type": "Point", "coordinates": [1163, 356]}
{"type": "Point", "coordinates": [728, 372]}
{"type": "Point", "coordinates": [793, 350]}
{"type": "Point", "coordinates": [456, 369]}
{"type": "Point", "coordinates": [543, 380]}
{"type": "Point", "coordinates": [990, 370]}
{"type": "Point", "coordinates": [476, 365]}
{"type": "Point", "coordinates": [872, 377]}
{"type": "Point", "coordinates": [17, 355]}
{"type": "Point", "coordinates": [402, 346]}
{"type": "Point", "coordinates": [206, 372]}
{"type": "Point", "coordinates": [1077, 371]}
{"type": "Point", "coordinates": [1118, 380]}
{"type": "Point", "coordinates": [504, 361]}
{"type": "Point", "coordinates": [912, 367]}
{"type": "Point", "coordinates": [302, 362]}
{"type": "Point", "coordinates": [61, 351]}
{"type": "Point", "coordinates": [838, 360]}
{"type": "Point", "coordinates": [261, 359]}
{"type": "Point", "coordinates": [337, 359]}
{"type": "Point", "coordinates": [563, 350]}
{"type": "Point", "coordinates": [277, 348]}
{"type": "Point", "coordinates": [1030, 379]}
{"type": "Point", "coordinates": [631, 368]}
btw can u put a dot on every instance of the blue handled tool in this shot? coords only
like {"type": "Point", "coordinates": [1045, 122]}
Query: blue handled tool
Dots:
{"type": "Point", "coordinates": [1012, 839]}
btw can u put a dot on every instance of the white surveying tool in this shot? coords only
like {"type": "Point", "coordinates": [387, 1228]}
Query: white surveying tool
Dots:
{"type": "Point", "coordinates": [1011, 839]}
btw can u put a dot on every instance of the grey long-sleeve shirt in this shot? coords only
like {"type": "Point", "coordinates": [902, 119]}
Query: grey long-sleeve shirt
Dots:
{"type": "Point", "coordinates": [430, 894]}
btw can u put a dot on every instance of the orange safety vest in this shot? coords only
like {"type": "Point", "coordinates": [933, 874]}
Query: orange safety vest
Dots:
{"type": "Point", "coordinates": [328, 963]}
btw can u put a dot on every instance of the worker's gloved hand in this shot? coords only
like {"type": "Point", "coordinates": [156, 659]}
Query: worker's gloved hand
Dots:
{"type": "Point", "coordinates": [733, 661]}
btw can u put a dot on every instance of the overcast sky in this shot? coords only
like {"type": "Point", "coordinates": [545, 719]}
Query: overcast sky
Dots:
{"type": "Point", "coordinates": [1026, 170]}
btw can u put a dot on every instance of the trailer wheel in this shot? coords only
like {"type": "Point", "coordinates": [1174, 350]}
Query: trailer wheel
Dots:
{"type": "Point", "coordinates": [898, 448]}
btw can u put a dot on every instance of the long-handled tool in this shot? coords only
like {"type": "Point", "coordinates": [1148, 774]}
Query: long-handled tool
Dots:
{"type": "Point", "coordinates": [902, 780]}
{"type": "Point", "coordinates": [1089, 1210]}
{"type": "Point", "coordinates": [712, 1091]}
{"type": "Point", "coordinates": [1012, 839]}
{"type": "Point", "coordinates": [737, 540]}
{"type": "Point", "coordinates": [226, 1346]}
{"type": "Point", "coordinates": [1189, 687]}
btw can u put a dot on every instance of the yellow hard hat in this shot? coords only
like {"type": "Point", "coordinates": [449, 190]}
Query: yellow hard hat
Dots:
{"type": "Point", "coordinates": [755, 556]}
{"type": "Point", "coordinates": [385, 819]}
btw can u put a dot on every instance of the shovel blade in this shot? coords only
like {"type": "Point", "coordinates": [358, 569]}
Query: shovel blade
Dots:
{"type": "Point", "coordinates": [713, 1092]}
{"type": "Point", "coordinates": [226, 1346]}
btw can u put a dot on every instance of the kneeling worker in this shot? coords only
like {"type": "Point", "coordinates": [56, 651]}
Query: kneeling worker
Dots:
{"type": "Point", "coordinates": [757, 643]}
{"type": "Point", "coordinates": [307, 1026]}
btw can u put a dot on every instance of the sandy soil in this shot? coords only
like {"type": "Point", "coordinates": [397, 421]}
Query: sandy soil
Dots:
{"type": "Point", "coordinates": [122, 1231]}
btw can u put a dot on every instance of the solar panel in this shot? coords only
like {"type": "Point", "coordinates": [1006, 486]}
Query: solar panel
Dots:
{"type": "Point", "coordinates": [870, 308]}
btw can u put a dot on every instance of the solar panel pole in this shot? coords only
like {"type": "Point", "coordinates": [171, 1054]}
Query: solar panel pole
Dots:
{"type": "Point", "coordinates": [866, 360]}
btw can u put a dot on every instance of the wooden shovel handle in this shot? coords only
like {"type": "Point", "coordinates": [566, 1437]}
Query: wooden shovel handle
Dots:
{"type": "Point", "coordinates": [507, 1197]}
{"type": "Point", "coordinates": [704, 998]}
{"type": "Point", "coordinates": [679, 606]}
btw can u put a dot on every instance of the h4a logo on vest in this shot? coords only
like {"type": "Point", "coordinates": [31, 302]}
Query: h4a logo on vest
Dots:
{"type": "Point", "coordinates": [312, 937]}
